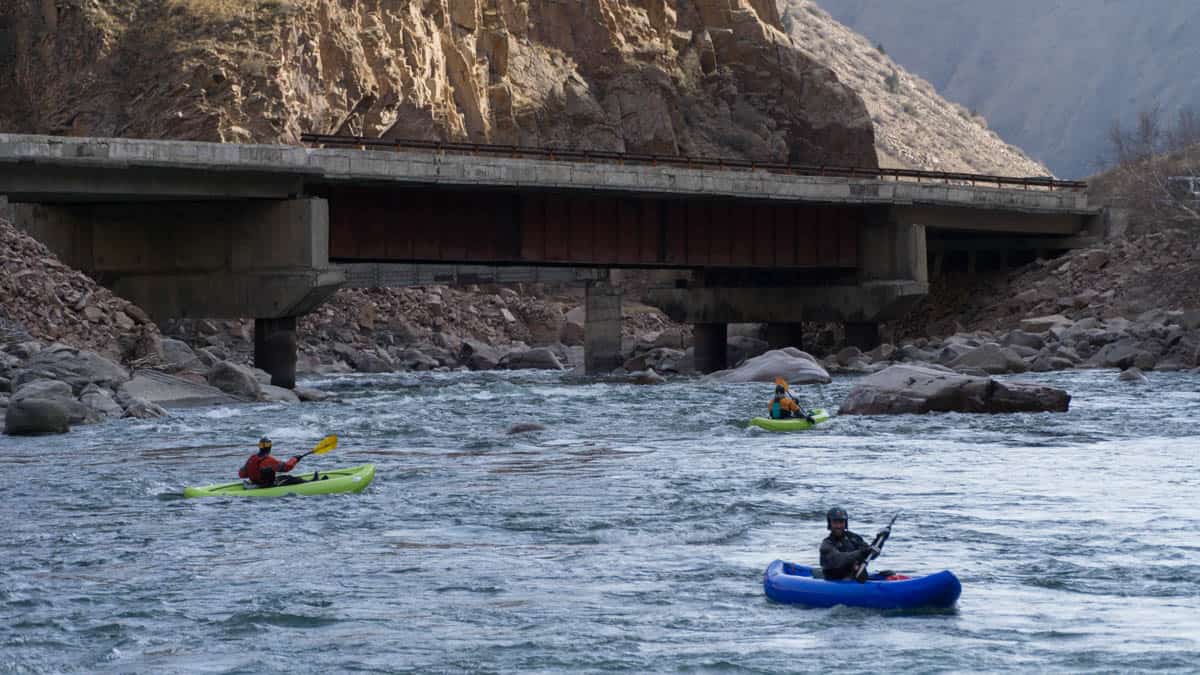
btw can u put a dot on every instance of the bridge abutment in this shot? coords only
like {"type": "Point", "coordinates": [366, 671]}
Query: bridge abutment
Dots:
{"type": "Point", "coordinates": [266, 259]}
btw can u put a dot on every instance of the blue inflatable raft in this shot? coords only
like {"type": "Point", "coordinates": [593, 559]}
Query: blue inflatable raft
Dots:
{"type": "Point", "coordinates": [794, 584]}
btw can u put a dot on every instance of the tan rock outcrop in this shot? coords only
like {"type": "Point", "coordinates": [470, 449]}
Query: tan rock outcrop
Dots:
{"type": "Point", "coordinates": [717, 77]}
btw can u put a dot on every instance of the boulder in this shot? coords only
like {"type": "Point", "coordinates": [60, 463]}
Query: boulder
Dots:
{"type": "Point", "coordinates": [1047, 362]}
{"type": "Point", "coordinates": [478, 355]}
{"type": "Point", "coordinates": [647, 377]}
{"type": "Point", "coordinates": [991, 358]}
{"type": "Point", "coordinates": [179, 356]}
{"type": "Point", "coordinates": [1120, 354]}
{"type": "Point", "coordinates": [309, 394]}
{"type": "Point", "coordinates": [169, 390]}
{"type": "Point", "coordinates": [235, 380]}
{"type": "Point", "coordinates": [76, 367]}
{"type": "Point", "coordinates": [33, 416]}
{"type": "Point", "coordinates": [921, 389]}
{"type": "Point", "coordinates": [363, 360]}
{"type": "Point", "coordinates": [793, 365]}
{"type": "Point", "coordinates": [883, 352]}
{"type": "Point", "coordinates": [101, 400]}
{"type": "Point", "coordinates": [1133, 375]}
{"type": "Point", "coordinates": [60, 393]}
{"type": "Point", "coordinates": [952, 351]}
{"type": "Point", "coordinates": [1041, 324]}
{"type": "Point", "coordinates": [539, 358]}
{"type": "Point", "coordinates": [848, 355]}
{"type": "Point", "coordinates": [739, 348]}
{"type": "Point", "coordinates": [665, 360]}
{"type": "Point", "coordinates": [415, 359]}
{"type": "Point", "coordinates": [140, 408]}
{"type": "Point", "coordinates": [273, 394]}
{"type": "Point", "coordinates": [1020, 338]}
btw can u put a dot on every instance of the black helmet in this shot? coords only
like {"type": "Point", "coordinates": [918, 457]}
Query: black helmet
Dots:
{"type": "Point", "coordinates": [264, 443]}
{"type": "Point", "coordinates": [779, 390]}
{"type": "Point", "coordinates": [836, 513]}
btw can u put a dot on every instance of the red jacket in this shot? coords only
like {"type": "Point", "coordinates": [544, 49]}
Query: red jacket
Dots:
{"type": "Point", "coordinates": [253, 467]}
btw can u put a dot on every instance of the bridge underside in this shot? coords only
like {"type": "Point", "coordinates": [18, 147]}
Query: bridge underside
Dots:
{"type": "Point", "coordinates": [540, 228]}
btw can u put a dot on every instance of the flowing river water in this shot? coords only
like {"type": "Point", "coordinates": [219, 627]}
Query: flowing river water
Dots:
{"type": "Point", "coordinates": [628, 535]}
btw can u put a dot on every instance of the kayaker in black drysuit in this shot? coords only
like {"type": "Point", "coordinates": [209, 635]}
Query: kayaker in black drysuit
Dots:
{"type": "Point", "coordinates": [842, 550]}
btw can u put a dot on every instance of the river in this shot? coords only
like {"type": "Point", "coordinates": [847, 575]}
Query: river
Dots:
{"type": "Point", "coordinates": [629, 535]}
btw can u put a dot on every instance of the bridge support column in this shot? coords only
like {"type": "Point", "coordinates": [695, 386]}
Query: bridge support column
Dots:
{"type": "Point", "coordinates": [710, 341]}
{"type": "Point", "coordinates": [862, 334]}
{"type": "Point", "coordinates": [602, 328]}
{"type": "Point", "coordinates": [275, 349]}
{"type": "Point", "coordinates": [785, 334]}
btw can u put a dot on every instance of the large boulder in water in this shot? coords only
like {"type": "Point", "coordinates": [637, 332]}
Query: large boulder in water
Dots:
{"type": "Point", "coordinates": [235, 380]}
{"type": "Point", "coordinates": [793, 365]}
{"type": "Point", "coordinates": [35, 416]}
{"type": "Point", "coordinates": [538, 358]}
{"type": "Point", "coordinates": [61, 394]}
{"type": "Point", "coordinates": [921, 389]}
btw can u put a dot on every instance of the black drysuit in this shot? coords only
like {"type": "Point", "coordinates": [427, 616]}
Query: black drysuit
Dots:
{"type": "Point", "coordinates": [839, 556]}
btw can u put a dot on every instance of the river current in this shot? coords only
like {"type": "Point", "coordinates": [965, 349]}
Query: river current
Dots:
{"type": "Point", "coordinates": [630, 534]}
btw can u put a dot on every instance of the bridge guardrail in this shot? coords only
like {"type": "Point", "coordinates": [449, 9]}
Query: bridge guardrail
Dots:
{"type": "Point", "coordinates": [1026, 182]}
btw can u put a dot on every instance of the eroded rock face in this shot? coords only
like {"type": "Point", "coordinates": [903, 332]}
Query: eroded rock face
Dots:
{"type": "Point", "coordinates": [922, 389]}
{"type": "Point", "coordinates": [657, 76]}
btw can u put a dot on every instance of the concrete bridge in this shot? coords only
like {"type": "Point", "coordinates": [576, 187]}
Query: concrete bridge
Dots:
{"type": "Point", "coordinates": [189, 229]}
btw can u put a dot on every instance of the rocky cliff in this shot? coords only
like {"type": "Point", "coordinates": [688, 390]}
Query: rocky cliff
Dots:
{"type": "Point", "coordinates": [1050, 76]}
{"type": "Point", "coordinates": [714, 77]}
{"type": "Point", "coordinates": [914, 126]}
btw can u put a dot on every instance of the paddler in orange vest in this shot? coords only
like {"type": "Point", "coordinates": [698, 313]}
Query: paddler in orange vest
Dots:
{"type": "Point", "coordinates": [784, 405]}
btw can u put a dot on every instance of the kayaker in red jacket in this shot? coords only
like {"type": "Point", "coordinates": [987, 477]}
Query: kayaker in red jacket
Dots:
{"type": "Point", "coordinates": [263, 470]}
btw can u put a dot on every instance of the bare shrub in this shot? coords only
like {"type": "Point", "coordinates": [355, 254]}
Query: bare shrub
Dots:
{"type": "Point", "coordinates": [1150, 165]}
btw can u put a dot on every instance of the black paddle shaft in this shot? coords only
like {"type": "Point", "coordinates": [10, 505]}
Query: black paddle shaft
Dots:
{"type": "Point", "coordinates": [860, 570]}
{"type": "Point", "coordinates": [882, 537]}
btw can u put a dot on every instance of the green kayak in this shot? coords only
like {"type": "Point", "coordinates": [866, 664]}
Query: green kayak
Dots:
{"type": "Point", "coordinates": [794, 424]}
{"type": "Point", "coordinates": [350, 479]}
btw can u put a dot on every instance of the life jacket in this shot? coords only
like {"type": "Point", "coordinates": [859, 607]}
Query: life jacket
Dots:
{"type": "Point", "coordinates": [261, 469]}
{"type": "Point", "coordinates": [783, 407]}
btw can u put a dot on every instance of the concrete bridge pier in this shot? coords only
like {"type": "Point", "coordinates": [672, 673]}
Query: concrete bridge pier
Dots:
{"type": "Point", "coordinates": [275, 348]}
{"type": "Point", "coordinates": [602, 327]}
{"type": "Point", "coordinates": [709, 344]}
{"type": "Point", "coordinates": [782, 334]}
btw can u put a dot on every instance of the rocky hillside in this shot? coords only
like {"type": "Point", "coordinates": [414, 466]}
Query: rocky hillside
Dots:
{"type": "Point", "coordinates": [43, 299]}
{"type": "Point", "coordinates": [1141, 274]}
{"type": "Point", "coordinates": [1051, 77]}
{"type": "Point", "coordinates": [914, 126]}
{"type": "Point", "coordinates": [743, 79]}
{"type": "Point", "coordinates": [662, 76]}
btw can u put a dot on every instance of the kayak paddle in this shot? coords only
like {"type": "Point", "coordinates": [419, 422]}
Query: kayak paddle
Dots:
{"type": "Point", "coordinates": [860, 573]}
{"type": "Point", "coordinates": [329, 443]}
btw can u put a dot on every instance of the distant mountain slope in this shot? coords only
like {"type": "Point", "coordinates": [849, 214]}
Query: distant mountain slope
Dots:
{"type": "Point", "coordinates": [1049, 75]}
{"type": "Point", "coordinates": [914, 126]}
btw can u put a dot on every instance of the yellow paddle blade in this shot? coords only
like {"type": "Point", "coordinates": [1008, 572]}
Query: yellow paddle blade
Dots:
{"type": "Point", "coordinates": [781, 382]}
{"type": "Point", "coordinates": [325, 446]}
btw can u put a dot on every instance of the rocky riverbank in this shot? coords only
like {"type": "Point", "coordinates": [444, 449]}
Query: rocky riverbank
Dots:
{"type": "Point", "coordinates": [72, 353]}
